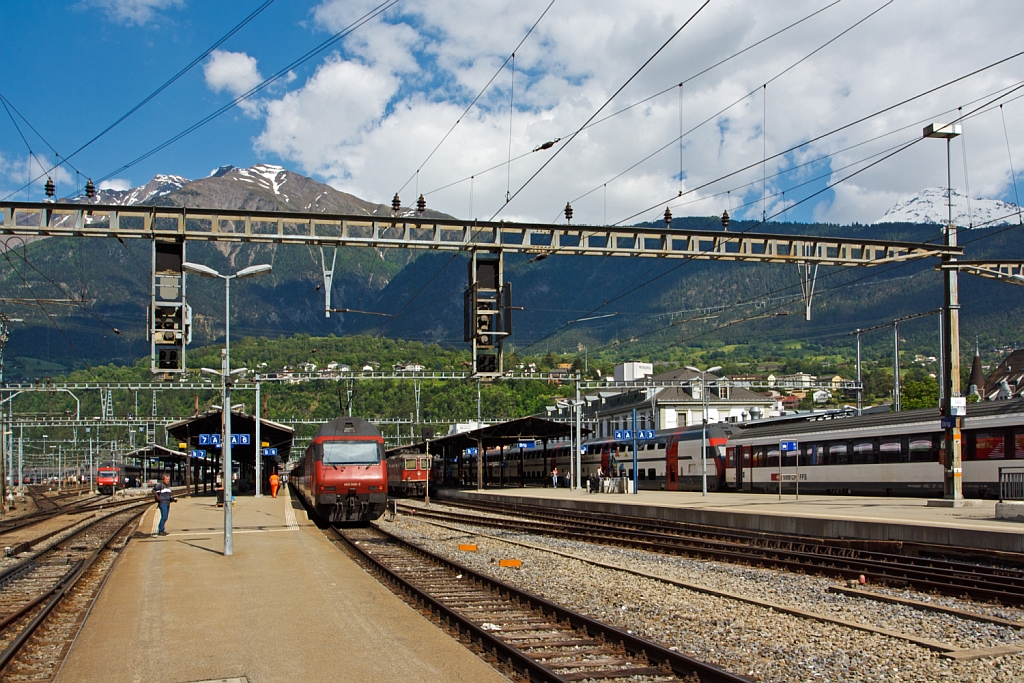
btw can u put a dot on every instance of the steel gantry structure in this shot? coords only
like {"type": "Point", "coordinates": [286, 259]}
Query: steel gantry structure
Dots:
{"type": "Point", "coordinates": [488, 298]}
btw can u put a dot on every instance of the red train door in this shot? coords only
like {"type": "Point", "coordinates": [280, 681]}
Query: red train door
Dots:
{"type": "Point", "coordinates": [672, 465]}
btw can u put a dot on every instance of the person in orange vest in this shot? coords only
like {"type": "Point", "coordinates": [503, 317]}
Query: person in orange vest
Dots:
{"type": "Point", "coordinates": [274, 483]}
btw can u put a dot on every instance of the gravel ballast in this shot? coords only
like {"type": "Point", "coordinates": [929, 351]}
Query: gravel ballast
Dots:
{"type": "Point", "coordinates": [744, 638]}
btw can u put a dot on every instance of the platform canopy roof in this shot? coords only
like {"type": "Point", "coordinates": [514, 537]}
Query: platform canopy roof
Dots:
{"type": "Point", "coordinates": [501, 434]}
{"type": "Point", "coordinates": [277, 435]}
{"type": "Point", "coordinates": [158, 452]}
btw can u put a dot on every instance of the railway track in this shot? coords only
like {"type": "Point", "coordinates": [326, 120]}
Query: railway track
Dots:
{"type": "Point", "coordinates": [842, 559]}
{"type": "Point", "coordinates": [45, 597]}
{"type": "Point", "coordinates": [539, 639]}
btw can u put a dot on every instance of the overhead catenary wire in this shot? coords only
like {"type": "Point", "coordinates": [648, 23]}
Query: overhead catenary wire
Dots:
{"type": "Point", "coordinates": [478, 96]}
{"type": "Point", "coordinates": [831, 132]}
{"type": "Point", "coordinates": [897, 150]}
{"type": "Point", "coordinates": [596, 122]}
{"type": "Point", "coordinates": [736, 102]}
{"type": "Point", "coordinates": [164, 86]}
{"type": "Point", "coordinates": [601, 108]}
{"type": "Point", "coordinates": [358, 23]}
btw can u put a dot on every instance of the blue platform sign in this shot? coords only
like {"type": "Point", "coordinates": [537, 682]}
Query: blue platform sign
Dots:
{"type": "Point", "coordinates": [623, 434]}
{"type": "Point", "coordinates": [197, 453]}
{"type": "Point", "coordinates": [240, 439]}
{"type": "Point", "coordinates": [209, 439]}
{"type": "Point", "coordinates": [645, 434]}
{"type": "Point", "coordinates": [788, 446]}
{"type": "Point", "coordinates": [947, 423]}
{"type": "Point", "coordinates": [471, 451]}
{"type": "Point", "coordinates": [527, 444]}
{"type": "Point", "coordinates": [270, 452]}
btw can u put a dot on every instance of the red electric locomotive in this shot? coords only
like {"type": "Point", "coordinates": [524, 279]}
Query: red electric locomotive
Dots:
{"type": "Point", "coordinates": [342, 476]}
{"type": "Point", "coordinates": [407, 475]}
{"type": "Point", "coordinates": [111, 476]}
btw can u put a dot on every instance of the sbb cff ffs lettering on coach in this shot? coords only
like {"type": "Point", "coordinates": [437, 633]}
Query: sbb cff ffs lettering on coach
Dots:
{"type": "Point", "coordinates": [407, 475]}
{"type": "Point", "coordinates": [342, 475]}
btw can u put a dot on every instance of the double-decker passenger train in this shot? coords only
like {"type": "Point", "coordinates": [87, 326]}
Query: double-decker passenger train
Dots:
{"type": "Point", "coordinates": [839, 453]}
{"type": "Point", "coordinates": [342, 475]}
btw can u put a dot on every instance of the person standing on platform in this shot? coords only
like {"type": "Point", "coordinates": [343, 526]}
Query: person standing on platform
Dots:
{"type": "Point", "coordinates": [162, 494]}
{"type": "Point", "coordinates": [274, 483]}
{"type": "Point", "coordinates": [554, 478]}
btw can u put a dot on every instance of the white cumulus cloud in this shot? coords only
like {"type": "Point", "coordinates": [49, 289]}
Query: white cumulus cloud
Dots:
{"type": "Point", "coordinates": [117, 184]}
{"type": "Point", "coordinates": [235, 72]}
{"type": "Point", "coordinates": [370, 114]}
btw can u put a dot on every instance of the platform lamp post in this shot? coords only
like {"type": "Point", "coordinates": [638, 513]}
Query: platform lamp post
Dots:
{"type": "Point", "coordinates": [953, 404]}
{"type": "Point", "coordinates": [225, 375]}
{"type": "Point", "coordinates": [704, 425]}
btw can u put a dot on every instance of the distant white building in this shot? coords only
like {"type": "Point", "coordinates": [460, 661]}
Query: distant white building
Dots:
{"type": "Point", "coordinates": [463, 427]}
{"type": "Point", "coordinates": [633, 371]}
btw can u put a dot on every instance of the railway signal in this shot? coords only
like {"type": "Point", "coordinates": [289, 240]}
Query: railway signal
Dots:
{"type": "Point", "coordinates": [487, 313]}
{"type": "Point", "coordinates": [170, 317]}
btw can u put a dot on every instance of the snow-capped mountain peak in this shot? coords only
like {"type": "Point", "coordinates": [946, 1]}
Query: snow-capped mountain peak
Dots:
{"type": "Point", "coordinates": [931, 206]}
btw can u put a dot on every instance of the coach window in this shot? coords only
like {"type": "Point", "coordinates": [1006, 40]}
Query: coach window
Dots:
{"type": "Point", "coordinates": [789, 459]}
{"type": "Point", "coordinates": [835, 453]}
{"type": "Point", "coordinates": [815, 454]}
{"type": "Point", "coordinates": [864, 451]}
{"type": "Point", "coordinates": [641, 473]}
{"type": "Point", "coordinates": [410, 463]}
{"type": "Point", "coordinates": [1018, 443]}
{"type": "Point", "coordinates": [923, 448]}
{"type": "Point", "coordinates": [988, 445]}
{"type": "Point", "coordinates": [772, 459]}
{"type": "Point", "coordinates": [890, 449]}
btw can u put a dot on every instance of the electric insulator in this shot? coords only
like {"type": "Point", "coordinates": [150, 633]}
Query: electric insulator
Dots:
{"type": "Point", "coordinates": [725, 218]}
{"type": "Point", "coordinates": [668, 218]}
{"type": "Point", "coordinates": [396, 203]}
{"type": "Point", "coordinates": [421, 205]}
{"type": "Point", "coordinates": [49, 187]}
{"type": "Point", "coordinates": [568, 212]}
{"type": "Point", "coordinates": [90, 190]}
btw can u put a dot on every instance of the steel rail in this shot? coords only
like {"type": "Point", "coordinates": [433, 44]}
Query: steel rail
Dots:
{"type": "Point", "coordinates": [448, 234]}
{"type": "Point", "coordinates": [57, 593]}
{"type": "Point", "coordinates": [948, 578]}
{"type": "Point", "coordinates": [680, 665]}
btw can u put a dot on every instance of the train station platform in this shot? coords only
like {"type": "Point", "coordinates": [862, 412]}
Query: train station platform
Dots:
{"type": "Point", "coordinates": [286, 606]}
{"type": "Point", "coordinates": [909, 520]}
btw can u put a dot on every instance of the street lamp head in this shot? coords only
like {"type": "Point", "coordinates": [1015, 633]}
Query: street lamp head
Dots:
{"type": "Point", "coordinates": [253, 271]}
{"type": "Point", "coordinates": [938, 130]}
{"type": "Point", "coordinates": [714, 369]}
{"type": "Point", "coordinates": [200, 269]}
{"type": "Point", "coordinates": [691, 368]}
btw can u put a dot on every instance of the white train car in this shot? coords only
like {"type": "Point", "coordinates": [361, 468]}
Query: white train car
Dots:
{"type": "Point", "coordinates": [896, 454]}
{"type": "Point", "coordinates": [671, 461]}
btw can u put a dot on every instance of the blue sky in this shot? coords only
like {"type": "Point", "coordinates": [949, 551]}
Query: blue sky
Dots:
{"type": "Point", "coordinates": [366, 113]}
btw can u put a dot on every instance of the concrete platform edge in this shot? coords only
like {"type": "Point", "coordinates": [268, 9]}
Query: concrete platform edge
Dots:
{"type": "Point", "coordinates": [802, 526]}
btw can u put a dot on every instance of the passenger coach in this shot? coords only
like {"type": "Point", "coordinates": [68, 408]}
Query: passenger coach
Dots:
{"type": "Point", "coordinates": [878, 454]}
{"type": "Point", "coordinates": [342, 475]}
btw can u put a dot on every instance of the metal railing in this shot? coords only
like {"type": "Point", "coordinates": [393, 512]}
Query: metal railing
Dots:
{"type": "Point", "coordinates": [1011, 483]}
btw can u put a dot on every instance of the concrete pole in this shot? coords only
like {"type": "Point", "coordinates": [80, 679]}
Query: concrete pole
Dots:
{"type": "Point", "coordinates": [479, 463]}
{"type": "Point", "coordinates": [225, 448]}
{"type": "Point", "coordinates": [259, 442]}
{"type": "Point", "coordinates": [952, 470]}
{"type": "Point", "coordinates": [896, 403]}
{"type": "Point", "coordinates": [860, 381]}
{"type": "Point", "coordinates": [579, 438]}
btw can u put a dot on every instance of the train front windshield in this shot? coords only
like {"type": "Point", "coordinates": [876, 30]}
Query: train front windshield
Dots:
{"type": "Point", "coordinates": [350, 452]}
